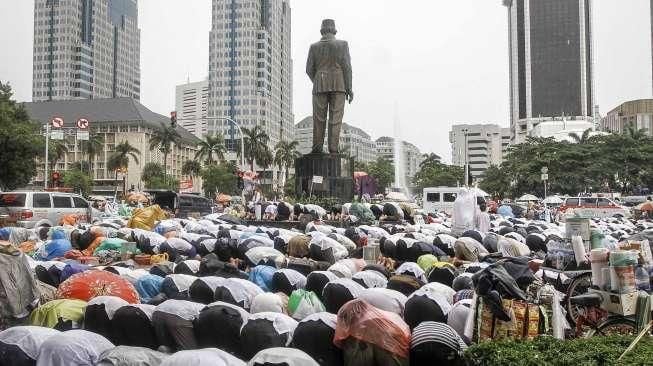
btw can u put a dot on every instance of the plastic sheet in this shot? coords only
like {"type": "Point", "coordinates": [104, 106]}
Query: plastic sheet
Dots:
{"type": "Point", "coordinates": [144, 218]}
{"type": "Point", "coordinates": [364, 322]}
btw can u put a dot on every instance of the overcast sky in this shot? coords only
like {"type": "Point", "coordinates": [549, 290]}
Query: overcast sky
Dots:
{"type": "Point", "coordinates": [441, 62]}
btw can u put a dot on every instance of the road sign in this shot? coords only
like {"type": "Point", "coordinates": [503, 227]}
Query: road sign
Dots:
{"type": "Point", "coordinates": [57, 122]}
{"type": "Point", "coordinates": [82, 135]}
{"type": "Point", "coordinates": [56, 135]}
{"type": "Point", "coordinates": [317, 179]}
{"type": "Point", "coordinates": [82, 123]}
{"type": "Point", "coordinates": [545, 177]}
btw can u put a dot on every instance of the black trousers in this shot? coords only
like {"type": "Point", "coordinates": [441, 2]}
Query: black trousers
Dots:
{"type": "Point", "coordinates": [173, 331]}
{"type": "Point", "coordinates": [132, 327]}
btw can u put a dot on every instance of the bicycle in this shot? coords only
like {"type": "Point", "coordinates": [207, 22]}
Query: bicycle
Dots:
{"type": "Point", "coordinates": [594, 320]}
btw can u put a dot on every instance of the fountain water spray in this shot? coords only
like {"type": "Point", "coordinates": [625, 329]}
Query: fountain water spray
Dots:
{"type": "Point", "coordinates": [399, 163]}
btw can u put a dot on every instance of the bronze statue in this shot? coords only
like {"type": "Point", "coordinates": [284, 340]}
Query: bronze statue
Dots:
{"type": "Point", "coordinates": [329, 67]}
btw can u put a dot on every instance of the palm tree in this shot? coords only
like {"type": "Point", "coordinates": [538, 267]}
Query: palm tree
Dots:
{"type": "Point", "coordinates": [163, 139]}
{"type": "Point", "coordinates": [209, 146]}
{"type": "Point", "coordinates": [192, 168]}
{"type": "Point", "coordinates": [151, 171]}
{"type": "Point", "coordinates": [581, 139]}
{"type": "Point", "coordinates": [265, 159]}
{"type": "Point", "coordinates": [94, 145]}
{"type": "Point", "coordinates": [120, 158]}
{"type": "Point", "coordinates": [285, 153]}
{"type": "Point", "coordinates": [58, 150]}
{"type": "Point", "coordinates": [256, 144]}
{"type": "Point", "coordinates": [430, 159]}
{"type": "Point", "coordinates": [635, 134]}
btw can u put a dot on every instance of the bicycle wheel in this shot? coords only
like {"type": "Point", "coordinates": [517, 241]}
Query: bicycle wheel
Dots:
{"type": "Point", "coordinates": [578, 286]}
{"type": "Point", "coordinates": [616, 325]}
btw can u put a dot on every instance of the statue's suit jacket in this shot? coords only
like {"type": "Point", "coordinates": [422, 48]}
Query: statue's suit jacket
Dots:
{"type": "Point", "coordinates": [329, 66]}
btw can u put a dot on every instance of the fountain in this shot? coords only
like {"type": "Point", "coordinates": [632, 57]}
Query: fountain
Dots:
{"type": "Point", "coordinates": [399, 163]}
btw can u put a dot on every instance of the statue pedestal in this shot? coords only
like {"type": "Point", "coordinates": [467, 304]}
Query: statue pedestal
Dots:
{"type": "Point", "coordinates": [337, 174]}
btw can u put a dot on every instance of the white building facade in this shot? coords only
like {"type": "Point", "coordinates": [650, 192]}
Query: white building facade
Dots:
{"type": "Point", "coordinates": [191, 104]}
{"type": "Point", "coordinates": [250, 68]}
{"type": "Point", "coordinates": [354, 142]}
{"type": "Point", "coordinates": [85, 49]}
{"type": "Point", "coordinates": [411, 156]}
{"type": "Point", "coordinates": [481, 145]}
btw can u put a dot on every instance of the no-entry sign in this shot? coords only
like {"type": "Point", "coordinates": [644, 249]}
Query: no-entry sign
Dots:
{"type": "Point", "coordinates": [82, 123]}
{"type": "Point", "coordinates": [57, 122]}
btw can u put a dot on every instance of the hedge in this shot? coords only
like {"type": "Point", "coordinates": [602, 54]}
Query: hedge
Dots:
{"type": "Point", "coordinates": [597, 351]}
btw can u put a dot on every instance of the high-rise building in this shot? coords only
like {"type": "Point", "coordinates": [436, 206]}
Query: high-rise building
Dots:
{"type": "Point", "coordinates": [480, 145]}
{"type": "Point", "coordinates": [550, 62]}
{"type": "Point", "coordinates": [85, 49]}
{"type": "Point", "coordinates": [354, 141]}
{"type": "Point", "coordinates": [410, 156]}
{"type": "Point", "coordinates": [191, 104]}
{"type": "Point", "coordinates": [250, 68]}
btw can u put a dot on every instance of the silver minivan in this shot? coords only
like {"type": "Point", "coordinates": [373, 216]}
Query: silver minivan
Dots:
{"type": "Point", "coordinates": [30, 209]}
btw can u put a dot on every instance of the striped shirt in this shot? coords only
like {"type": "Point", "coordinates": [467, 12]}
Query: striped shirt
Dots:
{"type": "Point", "coordinates": [434, 332]}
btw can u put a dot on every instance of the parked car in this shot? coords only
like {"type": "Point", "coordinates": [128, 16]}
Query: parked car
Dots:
{"type": "Point", "coordinates": [594, 206]}
{"type": "Point", "coordinates": [183, 205]}
{"type": "Point", "coordinates": [30, 209]}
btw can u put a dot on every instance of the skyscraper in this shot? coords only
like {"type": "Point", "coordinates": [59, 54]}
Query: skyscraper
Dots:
{"type": "Point", "coordinates": [86, 49]}
{"type": "Point", "coordinates": [191, 104]}
{"type": "Point", "coordinates": [550, 62]}
{"type": "Point", "coordinates": [250, 68]}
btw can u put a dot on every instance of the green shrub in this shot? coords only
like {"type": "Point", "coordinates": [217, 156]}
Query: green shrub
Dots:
{"type": "Point", "coordinates": [597, 351]}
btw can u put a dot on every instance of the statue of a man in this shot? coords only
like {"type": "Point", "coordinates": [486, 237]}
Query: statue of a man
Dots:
{"type": "Point", "coordinates": [329, 67]}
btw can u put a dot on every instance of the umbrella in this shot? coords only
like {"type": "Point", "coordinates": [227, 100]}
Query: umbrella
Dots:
{"type": "Point", "coordinates": [553, 200]}
{"type": "Point", "coordinates": [528, 197]}
{"type": "Point", "coordinates": [89, 284]}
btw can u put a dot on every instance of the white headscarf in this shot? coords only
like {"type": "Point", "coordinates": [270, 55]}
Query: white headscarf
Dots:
{"type": "Point", "coordinates": [73, 348]}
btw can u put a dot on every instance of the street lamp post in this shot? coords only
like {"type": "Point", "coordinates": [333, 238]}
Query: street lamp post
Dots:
{"type": "Point", "coordinates": [545, 177]}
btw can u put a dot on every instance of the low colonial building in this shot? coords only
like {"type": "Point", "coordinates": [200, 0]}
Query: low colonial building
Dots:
{"type": "Point", "coordinates": [635, 113]}
{"type": "Point", "coordinates": [117, 120]}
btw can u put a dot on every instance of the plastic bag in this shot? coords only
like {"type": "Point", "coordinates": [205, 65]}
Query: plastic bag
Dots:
{"type": "Point", "coordinates": [110, 244]}
{"type": "Point", "coordinates": [384, 329]}
{"type": "Point", "coordinates": [303, 303]}
{"type": "Point", "coordinates": [144, 218]}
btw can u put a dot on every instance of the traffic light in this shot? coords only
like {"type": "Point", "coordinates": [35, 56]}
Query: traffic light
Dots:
{"type": "Point", "coordinates": [173, 118]}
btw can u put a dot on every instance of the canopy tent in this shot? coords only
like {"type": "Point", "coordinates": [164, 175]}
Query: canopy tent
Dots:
{"type": "Point", "coordinates": [553, 200]}
{"type": "Point", "coordinates": [527, 198]}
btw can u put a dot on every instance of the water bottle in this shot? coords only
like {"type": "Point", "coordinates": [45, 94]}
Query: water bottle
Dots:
{"type": "Point", "coordinates": [642, 279]}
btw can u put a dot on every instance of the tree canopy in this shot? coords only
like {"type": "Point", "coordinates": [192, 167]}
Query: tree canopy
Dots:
{"type": "Point", "coordinates": [603, 163]}
{"type": "Point", "coordinates": [20, 141]}
{"type": "Point", "coordinates": [383, 171]}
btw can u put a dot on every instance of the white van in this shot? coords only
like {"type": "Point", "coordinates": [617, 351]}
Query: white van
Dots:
{"type": "Point", "coordinates": [31, 209]}
{"type": "Point", "coordinates": [441, 199]}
